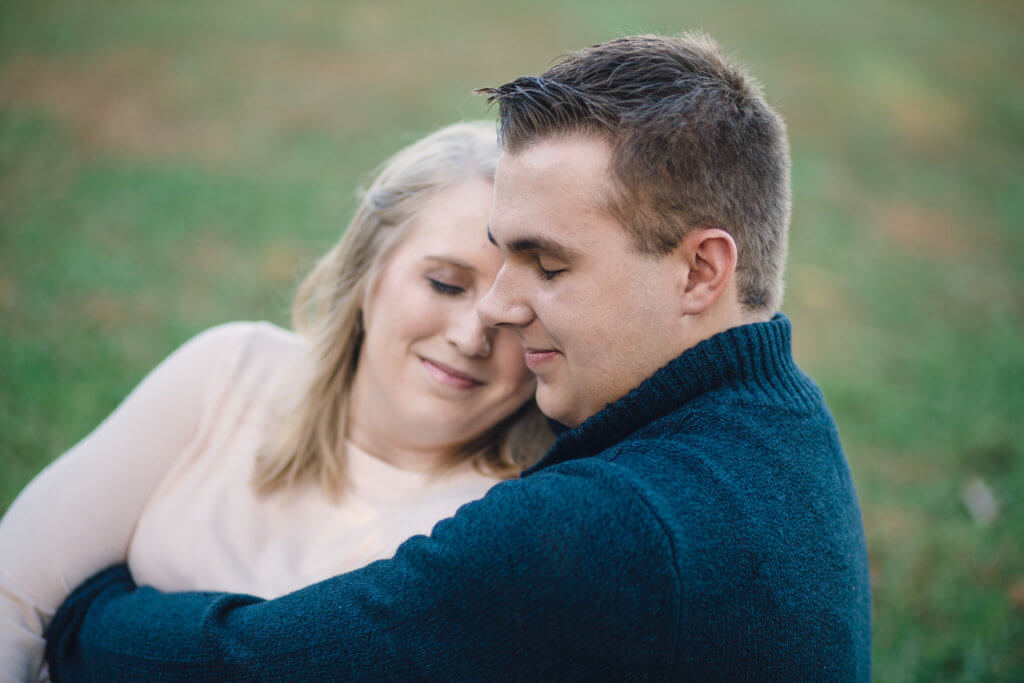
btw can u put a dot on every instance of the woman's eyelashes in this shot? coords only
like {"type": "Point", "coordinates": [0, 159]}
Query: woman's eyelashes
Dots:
{"type": "Point", "coordinates": [442, 287]}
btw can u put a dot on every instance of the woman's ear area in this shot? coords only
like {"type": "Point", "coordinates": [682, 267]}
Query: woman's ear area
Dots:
{"type": "Point", "coordinates": [707, 259]}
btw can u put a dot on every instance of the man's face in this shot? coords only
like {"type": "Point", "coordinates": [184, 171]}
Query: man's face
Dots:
{"type": "Point", "coordinates": [595, 316]}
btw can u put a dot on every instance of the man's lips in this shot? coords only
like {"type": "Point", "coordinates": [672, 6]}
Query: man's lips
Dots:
{"type": "Point", "coordinates": [538, 357]}
{"type": "Point", "coordinates": [446, 374]}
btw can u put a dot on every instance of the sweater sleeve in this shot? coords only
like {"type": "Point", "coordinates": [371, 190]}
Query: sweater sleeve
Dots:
{"type": "Point", "coordinates": [538, 579]}
{"type": "Point", "coordinates": [77, 516]}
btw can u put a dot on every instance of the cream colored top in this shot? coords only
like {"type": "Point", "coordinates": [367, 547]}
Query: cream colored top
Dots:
{"type": "Point", "coordinates": [163, 482]}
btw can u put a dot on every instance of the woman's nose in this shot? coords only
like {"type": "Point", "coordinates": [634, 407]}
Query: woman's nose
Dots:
{"type": "Point", "coordinates": [469, 335]}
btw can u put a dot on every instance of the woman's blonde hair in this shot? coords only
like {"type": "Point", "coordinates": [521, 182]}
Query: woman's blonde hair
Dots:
{"type": "Point", "coordinates": [309, 440]}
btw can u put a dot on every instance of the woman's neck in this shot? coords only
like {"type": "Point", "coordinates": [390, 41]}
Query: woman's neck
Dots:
{"type": "Point", "coordinates": [373, 428]}
{"type": "Point", "coordinates": [385, 446]}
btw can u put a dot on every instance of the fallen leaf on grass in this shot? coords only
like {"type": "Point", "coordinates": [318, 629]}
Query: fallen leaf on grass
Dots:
{"type": "Point", "coordinates": [1016, 594]}
{"type": "Point", "coordinates": [980, 502]}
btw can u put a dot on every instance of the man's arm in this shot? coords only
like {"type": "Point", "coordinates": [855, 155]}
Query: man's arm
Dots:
{"type": "Point", "coordinates": [538, 579]}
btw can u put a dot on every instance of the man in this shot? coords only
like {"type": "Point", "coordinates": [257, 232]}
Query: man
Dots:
{"type": "Point", "coordinates": [697, 520]}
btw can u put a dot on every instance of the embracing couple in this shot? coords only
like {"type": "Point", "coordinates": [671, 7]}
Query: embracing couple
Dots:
{"type": "Point", "coordinates": [377, 495]}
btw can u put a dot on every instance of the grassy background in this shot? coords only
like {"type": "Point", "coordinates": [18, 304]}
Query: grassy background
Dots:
{"type": "Point", "coordinates": [167, 165]}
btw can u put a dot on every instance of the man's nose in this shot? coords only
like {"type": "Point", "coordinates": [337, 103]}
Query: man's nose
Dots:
{"type": "Point", "coordinates": [503, 304]}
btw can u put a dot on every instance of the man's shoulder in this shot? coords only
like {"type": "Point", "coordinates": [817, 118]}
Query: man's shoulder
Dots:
{"type": "Point", "coordinates": [749, 518]}
{"type": "Point", "coordinates": [590, 506]}
{"type": "Point", "coordinates": [689, 467]}
{"type": "Point", "coordinates": [595, 487]}
{"type": "Point", "coordinates": [732, 496]}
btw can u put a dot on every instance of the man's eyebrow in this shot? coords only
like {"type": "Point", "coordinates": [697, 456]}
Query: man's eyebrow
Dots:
{"type": "Point", "coordinates": [535, 243]}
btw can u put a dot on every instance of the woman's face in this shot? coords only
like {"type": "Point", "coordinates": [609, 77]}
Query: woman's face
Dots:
{"type": "Point", "coordinates": [430, 375]}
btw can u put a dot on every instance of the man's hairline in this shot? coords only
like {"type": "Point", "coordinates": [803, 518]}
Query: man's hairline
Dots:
{"type": "Point", "coordinates": [612, 204]}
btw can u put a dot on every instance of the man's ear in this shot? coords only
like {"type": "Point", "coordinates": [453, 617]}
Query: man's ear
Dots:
{"type": "Point", "coordinates": [710, 257]}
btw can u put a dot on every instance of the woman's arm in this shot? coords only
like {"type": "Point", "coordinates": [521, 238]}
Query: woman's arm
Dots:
{"type": "Point", "coordinates": [77, 516]}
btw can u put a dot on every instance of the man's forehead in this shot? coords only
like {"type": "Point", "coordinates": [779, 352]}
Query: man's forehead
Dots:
{"type": "Point", "coordinates": [551, 181]}
{"type": "Point", "coordinates": [561, 158]}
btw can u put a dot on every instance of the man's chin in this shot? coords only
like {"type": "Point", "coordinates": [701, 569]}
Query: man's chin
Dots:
{"type": "Point", "coordinates": [557, 407]}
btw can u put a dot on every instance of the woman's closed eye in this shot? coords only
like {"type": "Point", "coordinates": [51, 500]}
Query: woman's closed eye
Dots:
{"type": "Point", "coordinates": [442, 287]}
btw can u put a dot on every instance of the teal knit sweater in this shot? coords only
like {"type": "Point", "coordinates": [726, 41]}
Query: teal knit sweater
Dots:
{"type": "Point", "coordinates": [702, 527]}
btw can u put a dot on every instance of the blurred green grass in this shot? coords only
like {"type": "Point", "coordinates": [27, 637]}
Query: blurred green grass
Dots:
{"type": "Point", "coordinates": [167, 166]}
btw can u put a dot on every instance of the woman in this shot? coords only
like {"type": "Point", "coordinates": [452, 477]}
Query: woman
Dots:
{"type": "Point", "coordinates": [258, 460]}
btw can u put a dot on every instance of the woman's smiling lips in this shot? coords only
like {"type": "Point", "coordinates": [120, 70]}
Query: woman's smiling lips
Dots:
{"type": "Point", "coordinates": [537, 357]}
{"type": "Point", "coordinates": [446, 374]}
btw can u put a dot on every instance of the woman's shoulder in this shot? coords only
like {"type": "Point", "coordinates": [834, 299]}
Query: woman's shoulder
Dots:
{"type": "Point", "coordinates": [255, 339]}
{"type": "Point", "coordinates": [253, 332]}
{"type": "Point", "coordinates": [244, 350]}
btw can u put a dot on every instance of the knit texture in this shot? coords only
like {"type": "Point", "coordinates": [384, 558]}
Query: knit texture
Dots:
{"type": "Point", "coordinates": [703, 527]}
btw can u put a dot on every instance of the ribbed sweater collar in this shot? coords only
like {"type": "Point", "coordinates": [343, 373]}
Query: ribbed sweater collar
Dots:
{"type": "Point", "coordinates": [753, 360]}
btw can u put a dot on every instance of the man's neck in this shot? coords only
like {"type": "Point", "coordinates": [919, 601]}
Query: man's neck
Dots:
{"type": "Point", "coordinates": [727, 313]}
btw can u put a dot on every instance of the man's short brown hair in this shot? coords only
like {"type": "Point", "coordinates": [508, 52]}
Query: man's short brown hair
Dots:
{"type": "Point", "coordinates": [694, 144]}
